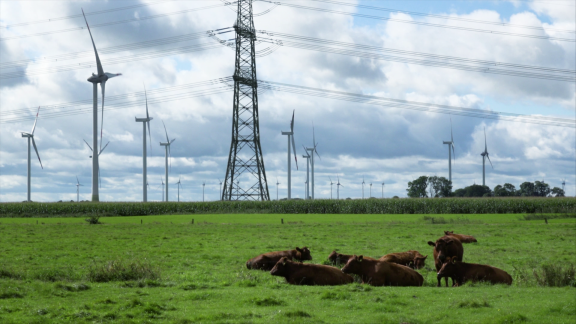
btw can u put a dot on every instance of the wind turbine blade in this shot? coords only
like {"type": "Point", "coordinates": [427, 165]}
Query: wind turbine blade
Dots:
{"type": "Point", "coordinates": [103, 85]}
{"type": "Point", "coordinates": [36, 149]}
{"type": "Point", "coordinates": [453, 153]}
{"type": "Point", "coordinates": [292, 122]}
{"type": "Point", "coordinates": [78, 182]}
{"type": "Point", "coordinates": [149, 135]}
{"type": "Point", "coordinates": [172, 141]}
{"type": "Point", "coordinates": [294, 149]}
{"type": "Point", "coordinates": [98, 64]}
{"type": "Point", "coordinates": [167, 139]}
{"type": "Point", "coordinates": [34, 127]}
{"type": "Point", "coordinates": [102, 150]}
{"type": "Point", "coordinates": [90, 147]}
{"type": "Point", "coordinates": [488, 156]}
{"type": "Point", "coordinates": [148, 117]}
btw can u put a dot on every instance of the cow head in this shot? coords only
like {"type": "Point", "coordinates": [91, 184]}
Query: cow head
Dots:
{"type": "Point", "coordinates": [354, 265]}
{"type": "Point", "coordinates": [441, 246]}
{"type": "Point", "coordinates": [448, 268]}
{"type": "Point", "coordinates": [281, 268]}
{"type": "Point", "coordinates": [303, 254]}
{"type": "Point", "coordinates": [334, 257]}
{"type": "Point", "coordinates": [448, 232]}
{"type": "Point", "coordinates": [419, 262]}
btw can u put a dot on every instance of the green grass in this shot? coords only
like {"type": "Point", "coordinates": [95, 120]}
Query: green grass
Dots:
{"type": "Point", "coordinates": [168, 270]}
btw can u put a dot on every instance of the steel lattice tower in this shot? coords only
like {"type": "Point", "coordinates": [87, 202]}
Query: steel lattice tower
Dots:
{"type": "Point", "coordinates": [245, 150]}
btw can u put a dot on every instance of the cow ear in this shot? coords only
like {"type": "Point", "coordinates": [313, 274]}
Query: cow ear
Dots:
{"type": "Point", "coordinates": [424, 258]}
{"type": "Point", "coordinates": [298, 249]}
{"type": "Point", "coordinates": [360, 258]}
{"type": "Point", "coordinates": [431, 243]}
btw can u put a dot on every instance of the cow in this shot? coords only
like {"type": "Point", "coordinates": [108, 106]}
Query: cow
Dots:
{"type": "Point", "coordinates": [412, 259]}
{"type": "Point", "coordinates": [460, 272]}
{"type": "Point", "coordinates": [309, 274]}
{"type": "Point", "coordinates": [338, 258]}
{"type": "Point", "coordinates": [446, 246]}
{"type": "Point", "coordinates": [267, 261]}
{"type": "Point", "coordinates": [382, 273]}
{"type": "Point", "coordinates": [463, 238]}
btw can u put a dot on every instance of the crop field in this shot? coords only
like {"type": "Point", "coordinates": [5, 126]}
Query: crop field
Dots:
{"type": "Point", "coordinates": [191, 269]}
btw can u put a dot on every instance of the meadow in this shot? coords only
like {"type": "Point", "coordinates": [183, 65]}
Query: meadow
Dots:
{"type": "Point", "coordinates": [191, 269]}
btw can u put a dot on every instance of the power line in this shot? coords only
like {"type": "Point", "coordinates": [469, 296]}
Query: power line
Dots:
{"type": "Point", "coordinates": [421, 23]}
{"type": "Point", "coordinates": [445, 17]}
{"type": "Point", "coordinates": [223, 85]}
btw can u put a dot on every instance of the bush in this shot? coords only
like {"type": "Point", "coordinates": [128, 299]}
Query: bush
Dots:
{"type": "Point", "coordinates": [119, 270]}
{"type": "Point", "coordinates": [556, 275]}
{"type": "Point", "coordinates": [93, 220]}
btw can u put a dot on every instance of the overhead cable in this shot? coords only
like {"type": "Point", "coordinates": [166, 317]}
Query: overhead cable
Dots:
{"type": "Point", "coordinates": [421, 23]}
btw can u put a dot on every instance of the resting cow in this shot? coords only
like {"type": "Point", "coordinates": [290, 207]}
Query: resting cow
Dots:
{"type": "Point", "coordinates": [382, 273]}
{"type": "Point", "coordinates": [338, 258]}
{"type": "Point", "coordinates": [267, 261]}
{"type": "Point", "coordinates": [310, 274]}
{"type": "Point", "coordinates": [412, 259]}
{"type": "Point", "coordinates": [446, 246]}
{"type": "Point", "coordinates": [463, 238]}
{"type": "Point", "coordinates": [460, 272]}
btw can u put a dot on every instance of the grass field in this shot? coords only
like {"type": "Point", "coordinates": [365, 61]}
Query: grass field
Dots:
{"type": "Point", "coordinates": [195, 273]}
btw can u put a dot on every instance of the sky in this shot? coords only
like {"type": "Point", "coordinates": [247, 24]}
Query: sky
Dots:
{"type": "Point", "coordinates": [46, 57]}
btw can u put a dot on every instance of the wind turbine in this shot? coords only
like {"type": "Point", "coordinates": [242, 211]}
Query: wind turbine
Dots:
{"type": "Point", "coordinates": [331, 183]}
{"type": "Point", "coordinates": [277, 183]}
{"type": "Point", "coordinates": [78, 189]}
{"type": "Point", "coordinates": [338, 189]}
{"type": "Point", "coordinates": [484, 156]}
{"type": "Point", "coordinates": [167, 147]}
{"type": "Point", "coordinates": [563, 184]}
{"type": "Point", "coordinates": [291, 140]}
{"type": "Point", "coordinates": [161, 179]}
{"type": "Point", "coordinates": [307, 157]}
{"type": "Point", "coordinates": [382, 190]}
{"type": "Point", "coordinates": [179, 183]}
{"type": "Point", "coordinates": [30, 136]}
{"type": "Point", "coordinates": [203, 185]}
{"type": "Point", "coordinates": [370, 189]}
{"type": "Point", "coordinates": [145, 121]}
{"type": "Point", "coordinates": [101, 78]}
{"type": "Point", "coordinates": [92, 157]}
{"type": "Point", "coordinates": [363, 187]}
{"type": "Point", "coordinates": [312, 150]}
{"type": "Point", "coordinates": [450, 145]}
{"type": "Point", "coordinates": [220, 188]}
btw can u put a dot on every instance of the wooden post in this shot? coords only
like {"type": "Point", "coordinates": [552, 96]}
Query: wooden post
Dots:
{"type": "Point", "coordinates": [282, 220]}
{"type": "Point", "coordinates": [140, 222]}
{"type": "Point", "coordinates": [192, 221]}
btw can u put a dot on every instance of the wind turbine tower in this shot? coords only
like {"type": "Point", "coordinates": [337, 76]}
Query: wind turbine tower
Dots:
{"type": "Point", "coordinates": [145, 121]}
{"type": "Point", "coordinates": [30, 137]}
{"type": "Point", "coordinates": [290, 135]}
{"type": "Point", "coordinates": [161, 179]}
{"type": "Point", "coordinates": [277, 183]}
{"type": "Point", "coordinates": [203, 186]}
{"type": "Point", "coordinates": [167, 147]}
{"type": "Point", "coordinates": [179, 183]}
{"type": "Point", "coordinates": [370, 189]}
{"type": "Point", "coordinates": [311, 151]}
{"type": "Point", "coordinates": [331, 183]}
{"type": "Point", "coordinates": [363, 187]}
{"type": "Point", "coordinates": [78, 190]}
{"type": "Point", "coordinates": [220, 188]}
{"type": "Point", "coordinates": [563, 184]}
{"type": "Point", "coordinates": [96, 79]}
{"type": "Point", "coordinates": [338, 185]}
{"type": "Point", "coordinates": [382, 190]}
{"type": "Point", "coordinates": [307, 157]}
{"type": "Point", "coordinates": [484, 157]}
{"type": "Point", "coordinates": [450, 146]}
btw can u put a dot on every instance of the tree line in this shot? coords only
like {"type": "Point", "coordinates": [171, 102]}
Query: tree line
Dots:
{"type": "Point", "coordinates": [439, 187]}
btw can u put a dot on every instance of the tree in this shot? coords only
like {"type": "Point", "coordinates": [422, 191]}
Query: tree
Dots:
{"type": "Point", "coordinates": [459, 192]}
{"type": "Point", "coordinates": [527, 189]}
{"type": "Point", "coordinates": [557, 192]}
{"type": "Point", "coordinates": [541, 189]}
{"type": "Point", "coordinates": [442, 187]}
{"type": "Point", "coordinates": [476, 191]}
{"type": "Point", "coordinates": [507, 190]}
{"type": "Point", "coordinates": [417, 188]}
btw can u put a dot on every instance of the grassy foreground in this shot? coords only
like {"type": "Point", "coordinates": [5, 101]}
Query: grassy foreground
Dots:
{"type": "Point", "coordinates": [54, 271]}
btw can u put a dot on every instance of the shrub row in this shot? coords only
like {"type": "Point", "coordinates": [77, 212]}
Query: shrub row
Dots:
{"type": "Point", "coordinates": [366, 206]}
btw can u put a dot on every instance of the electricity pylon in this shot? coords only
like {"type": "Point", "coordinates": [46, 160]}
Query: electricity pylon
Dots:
{"type": "Point", "coordinates": [245, 150]}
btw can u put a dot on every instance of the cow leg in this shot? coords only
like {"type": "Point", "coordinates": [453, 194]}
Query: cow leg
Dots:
{"type": "Point", "coordinates": [446, 280]}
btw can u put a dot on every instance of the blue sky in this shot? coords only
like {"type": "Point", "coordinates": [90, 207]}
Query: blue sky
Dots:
{"type": "Point", "coordinates": [381, 144]}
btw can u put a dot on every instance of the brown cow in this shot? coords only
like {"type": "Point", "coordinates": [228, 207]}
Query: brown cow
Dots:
{"type": "Point", "coordinates": [267, 261]}
{"type": "Point", "coordinates": [463, 238]}
{"type": "Point", "coordinates": [412, 259]}
{"type": "Point", "coordinates": [382, 273]}
{"type": "Point", "coordinates": [338, 258]}
{"type": "Point", "coordinates": [446, 246]}
{"type": "Point", "coordinates": [460, 272]}
{"type": "Point", "coordinates": [310, 274]}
